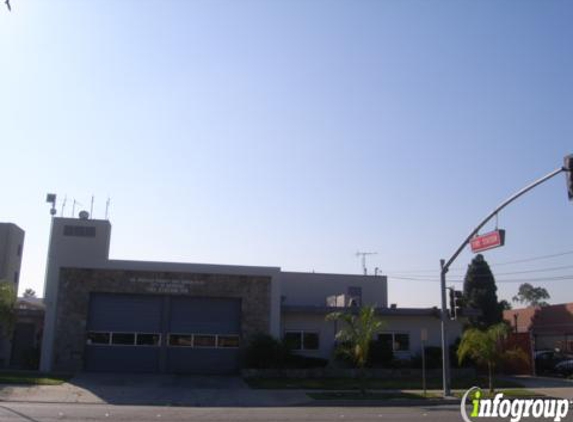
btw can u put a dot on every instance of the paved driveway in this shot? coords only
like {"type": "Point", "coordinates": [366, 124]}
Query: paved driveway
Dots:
{"type": "Point", "coordinates": [148, 389]}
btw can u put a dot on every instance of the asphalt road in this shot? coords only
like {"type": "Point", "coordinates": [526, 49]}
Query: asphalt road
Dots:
{"type": "Point", "coordinates": [46, 412]}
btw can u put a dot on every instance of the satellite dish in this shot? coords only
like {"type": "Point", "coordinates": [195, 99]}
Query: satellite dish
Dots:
{"type": "Point", "coordinates": [84, 215]}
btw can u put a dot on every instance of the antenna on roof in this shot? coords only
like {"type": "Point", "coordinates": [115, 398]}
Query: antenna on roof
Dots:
{"type": "Point", "coordinates": [64, 205]}
{"type": "Point", "coordinates": [74, 206]}
{"type": "Point", "coordinates": [363, 255]}
{"type": "Point", "coordinates": [92, 207]}
{"type": "Point", "coordinates": [107, 207]}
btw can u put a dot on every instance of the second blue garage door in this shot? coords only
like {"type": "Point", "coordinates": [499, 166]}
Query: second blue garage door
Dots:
{"type": "Point", "coordinates": [203, 335]}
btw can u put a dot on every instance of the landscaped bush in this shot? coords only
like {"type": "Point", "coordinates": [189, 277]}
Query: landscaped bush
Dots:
{"type": "Point", "coordinates": [433, 358]}
{"type": "Point", "coordinates": [305, 362]}
{"type": "Point", "coordinates": [381, 354]}
{"type": "Point", "coordinates": [265, 352]}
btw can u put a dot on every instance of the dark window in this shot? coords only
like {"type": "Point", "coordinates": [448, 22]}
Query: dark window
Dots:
{"type": "Point", "coordinates": [200, 340]}
{"type": "Point", "coordinates": [387, 340]}
{"type": "Point", "coordinates": [16, 277]}
{"type": "Point", "coordinates": [355, 294]}
{"type": "Point", "coordinates": [401, 342]}
{"type": "Point", "coordinates": [80, 231]}
{"type": "Point", "coordinates": [310, 341]}
{"type": "Point", "coordinates": [181, 340]}
{"type": "Point", "coordinates": [397, 342]}
{"type": "Point", "coordinates": [228, 341]}
{"type": "Point", "coordinates": [19, 252]}
{"type": "Point", "coordinates": [301, 340]}
{"type": "Point", "coordinates": [123, 338]}
{"type": "Point", "coordinates": [147, 339]}
{"type": "Point", "coordinates": [98, 338]}
{"type": "Point", "coordinates": [293, 340]}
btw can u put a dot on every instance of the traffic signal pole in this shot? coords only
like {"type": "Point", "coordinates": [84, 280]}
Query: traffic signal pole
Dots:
{"type": "Point", "coordinates": [445, 266]}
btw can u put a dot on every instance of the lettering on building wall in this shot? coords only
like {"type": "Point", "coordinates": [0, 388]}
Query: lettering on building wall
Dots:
{"type": "Point", "coordinates": [167, 285]}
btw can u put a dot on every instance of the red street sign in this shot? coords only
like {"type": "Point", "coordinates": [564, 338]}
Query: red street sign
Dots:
{"type": "Point", "coordinates": [487, 241]}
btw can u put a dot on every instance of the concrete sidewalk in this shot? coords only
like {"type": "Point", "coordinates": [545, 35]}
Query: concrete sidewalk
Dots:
{"type": "Point", "coordinates": [212, 391]}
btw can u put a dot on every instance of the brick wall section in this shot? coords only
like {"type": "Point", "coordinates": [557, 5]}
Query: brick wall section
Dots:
{"type": "Point", "coordinates": [77, 284]}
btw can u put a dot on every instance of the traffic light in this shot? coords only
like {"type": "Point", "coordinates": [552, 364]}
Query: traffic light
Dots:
{"type": "Point", "coordinates": [569, 175]}
{"type": "Point", "coordinates": [456, 303]}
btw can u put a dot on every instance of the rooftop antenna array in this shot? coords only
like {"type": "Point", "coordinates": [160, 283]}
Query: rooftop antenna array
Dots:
{"type": "Point", "coordinates": [363, 255]}
{"type": "Point", "coordinates": [64, 205]}
{"type": "Point", "coordinates": [107, 207]}
{"type": "Point", "coordinates": [74, 206]}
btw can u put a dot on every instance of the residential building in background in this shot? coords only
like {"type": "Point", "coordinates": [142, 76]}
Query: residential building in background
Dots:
{"type": "Point", "coordinates": [11, 248]}
{"type": "Point", "coordinates": [550, 327]}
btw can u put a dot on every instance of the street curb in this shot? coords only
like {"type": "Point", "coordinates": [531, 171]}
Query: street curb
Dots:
{"type": "Point", "coordinates": [384, 403]}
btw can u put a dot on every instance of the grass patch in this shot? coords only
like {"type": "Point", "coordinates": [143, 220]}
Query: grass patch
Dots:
{"type": "Point", "coordinates": [32, 378]}
{"type": "Point", "coordinates": [370, 396]}
{"type": "Point", "coordinates": [370, 383]}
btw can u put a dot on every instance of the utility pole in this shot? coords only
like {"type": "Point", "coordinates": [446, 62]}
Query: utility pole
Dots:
{"type": "Point", "coordinates": [445, 265]}
{"type": "Point", "coordinates": [363, 255]}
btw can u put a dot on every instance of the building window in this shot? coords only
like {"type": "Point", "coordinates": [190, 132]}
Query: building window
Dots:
{"type": "Point", "coordinates": [142, 339]}
{"type": "Point", "coordinates": [80, 231]}
{"type": "Point", "coordinates": [302, 340]}
{"type": "Point", "coordinates": [19, 252]}
{"type": "Point", "coordinates": [123, 339]}
{"type": "Point", "coordinates": [98, 338]}
{"type": "Point", "coordinates": [397, 342]}
{"type": "Point", "coordinates": [16, 277]}
{"type": "Point", "coordinates": [202, 340]}
{"type": "Point", "coordinates": [355, 296]}
{"type": "Point", "coordinates": [180, 340]}
{"type": "Point", "coordinates": [227, 341]}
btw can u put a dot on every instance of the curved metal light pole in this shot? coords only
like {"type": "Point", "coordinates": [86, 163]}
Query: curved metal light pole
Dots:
{"type": "Point", "coordinates": [445, 266]}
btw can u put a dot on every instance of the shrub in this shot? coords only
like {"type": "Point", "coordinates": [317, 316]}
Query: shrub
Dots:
{"type": "Point", "coordinates": [264, 351]}
{"type": "Point", "coordinates": [381, 354]}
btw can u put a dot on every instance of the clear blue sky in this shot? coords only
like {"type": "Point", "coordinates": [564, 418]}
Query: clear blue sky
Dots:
{"type": "Point", "coordinates": [293, 133]}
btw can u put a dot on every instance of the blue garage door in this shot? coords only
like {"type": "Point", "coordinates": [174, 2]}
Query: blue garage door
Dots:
{"type": "Point", "coordinates": [124, 333]}
{"type": "Point", "coordinates": [203, 335]}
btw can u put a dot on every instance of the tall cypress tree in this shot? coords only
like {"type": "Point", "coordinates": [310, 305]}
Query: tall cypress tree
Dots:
{"type": "Point", "coordinates": [480, 293]}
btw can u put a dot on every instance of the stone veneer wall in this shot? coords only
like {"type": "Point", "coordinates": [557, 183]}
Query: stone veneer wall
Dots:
{"type": "Point", "coordinates": [76, 284]}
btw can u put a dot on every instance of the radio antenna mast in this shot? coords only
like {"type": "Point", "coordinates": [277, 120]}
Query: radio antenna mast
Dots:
{"type": "Point", "coordinates": [74, 206]}
{"type": "Point", "coordinates": [107, 207]}
{"type": "Point", "coordinates": [92, 208]}
{"type": "Point", "coordinates": [363, 255]}
{"type": "Point", "coordinates": [64, 205]}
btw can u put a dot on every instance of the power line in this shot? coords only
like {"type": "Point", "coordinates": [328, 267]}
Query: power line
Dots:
{"type": "Point", "coordinates": [507, 280]}
{"type": "Point", "coordinates": [454, 269]}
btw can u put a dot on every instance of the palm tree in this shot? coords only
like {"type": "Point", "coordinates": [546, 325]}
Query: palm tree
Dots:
{"type": "Point", "coordinates": [356, 335]}
{"type": "Point", "coordinates": [486, 347]}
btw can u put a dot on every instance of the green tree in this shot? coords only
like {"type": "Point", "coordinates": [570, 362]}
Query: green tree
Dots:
{"type": "Point", "coordinates": [7, 307]}
{"type": "Point", "coordinates": [356, 335]}
{"type": "Point", "coordinates": [532, 296]}
{"type": "Point", "coordinates": [505, 305]}
{"type": "Point", "coordinates": [487, 348]}
{"type": "Point", "coordinates": [480, 292]}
